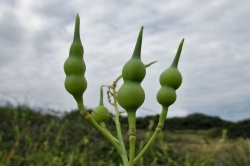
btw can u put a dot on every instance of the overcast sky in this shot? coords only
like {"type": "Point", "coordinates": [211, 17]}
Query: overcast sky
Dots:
{"type": "Point", "coordinates": [215, 62]}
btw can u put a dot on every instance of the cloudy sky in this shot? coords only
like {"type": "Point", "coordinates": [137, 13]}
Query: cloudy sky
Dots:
{"type": "Point", "coordinates": [215, 63]}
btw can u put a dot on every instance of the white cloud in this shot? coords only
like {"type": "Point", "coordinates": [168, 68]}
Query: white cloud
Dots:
{"type": "Point", "coordinates": [35, 39]}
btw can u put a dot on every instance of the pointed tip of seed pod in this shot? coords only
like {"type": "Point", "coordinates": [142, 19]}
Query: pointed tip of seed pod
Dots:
{"type": "Point", "coordinates": [137, 50]}
{"type": "Point", "coordinates": [177, 56]}
{"type": "Point", "coordinates": [77, 28]}
{"type": "Point", "coordinates": [77, 20]}
{"type": "Point", "coordinates": [77, 17]}
{"type": "Point", "coordinates": [101, 97]}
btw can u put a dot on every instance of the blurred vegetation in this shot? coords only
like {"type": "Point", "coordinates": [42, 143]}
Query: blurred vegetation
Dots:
{"type": "Point", "coordinates": [212, 124]}
{"type": "Point", "coordinates": [37, 138]}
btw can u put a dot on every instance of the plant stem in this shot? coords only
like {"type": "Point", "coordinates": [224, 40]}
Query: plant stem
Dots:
{"type": "Point", "coordinates": [132, 135]}
{"type": "Point", "coordinates": [150, 142]}
{"type": "Point", "coordinates": [132, 140]}
{"type": "Point", "coordinates": [156, 133]}
{"type": "Point", "coordinates": [89, 118]}
{"type": "Point", "coordinates": [101, 96]}
{"type": "Point", "coordinates": [117, 79]}
{"type": "Point", "coordinates": [163, 116]}
{"type": "Point", "coordinates": [104, 127]}
{"type": "Point", "coordinates": [118, 125]}
{"type": "Point", "coordinates": [120, 139]}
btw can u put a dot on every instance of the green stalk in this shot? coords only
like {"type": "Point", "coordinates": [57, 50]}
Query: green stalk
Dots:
{"type": "Point", "coordinates": [103, 125]}
{"type": "Point", "coordinates": [156, 133]}
{"type": "Point", "coordinates": [150, 142]}
{"type": "Point", "coordinates": [132, 135]}
{"type": "Point", "coordinates": [132, 122]}
{"type": "Point", "coordinates": [101, 97]}
{"type": "Point", "coordinates": [163, 115]}
{"type": "Point", "coordinates": [132, 140]}
{"type": "Point", "coordinates": [119, 135]}
{"type": "Point", "coordinates": [121, 142]}
{"type": "Point", "coordinates": [89, 118]}
{"type": "Point", "coordinates": [116, 140]}
{"type": "Point", "coordinates": [118, 126]}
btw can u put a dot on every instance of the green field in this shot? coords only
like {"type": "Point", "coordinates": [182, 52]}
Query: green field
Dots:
{"type": "Point", "coordinates": [29, 138]}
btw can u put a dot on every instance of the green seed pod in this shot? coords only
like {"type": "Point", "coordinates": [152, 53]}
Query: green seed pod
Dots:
{"type": "Point", "coordinates": [100, 113]}
{"type": "Point", "coordinates": [170, 80]}
{"type": "Point", "coordinates": [171, 77]}
{"type": "Point", "coordinates": [166, 96]}
{"type": "Point", "coordinates": [131, 95]}
{"type": "Point", "coordinates": [74, 68]}
{"type": "Point", "coordinates": [134, 70]}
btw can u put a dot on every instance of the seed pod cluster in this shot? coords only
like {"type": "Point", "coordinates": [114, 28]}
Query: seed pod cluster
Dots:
{"type": "Point", "coordinates": [131, 95]}
{"type": "Point", "coordinates": [170, 80]}
{"type": "Point", "coordinates": [74, 68]}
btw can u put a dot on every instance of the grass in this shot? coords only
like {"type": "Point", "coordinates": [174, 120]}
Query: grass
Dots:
{"type": "Point", "coordinates": [28, 138]}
